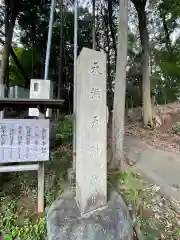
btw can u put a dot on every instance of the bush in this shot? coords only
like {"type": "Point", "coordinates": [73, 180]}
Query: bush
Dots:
{"type": "Point", "coordinates": [64, 130]}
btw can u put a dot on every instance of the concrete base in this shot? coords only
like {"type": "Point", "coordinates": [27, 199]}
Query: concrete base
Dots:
{"type": "Point", "coordinates": [64, 221]}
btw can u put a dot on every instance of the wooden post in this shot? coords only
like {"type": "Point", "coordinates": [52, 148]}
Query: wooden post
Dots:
{"type": "Point", "coordinates": [41, 188]}
{"type": "Point", "coordinates": [41, 182]}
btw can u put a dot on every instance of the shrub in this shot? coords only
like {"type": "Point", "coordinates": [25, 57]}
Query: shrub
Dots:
{"type": "Point", "coordinates": [64, 130]}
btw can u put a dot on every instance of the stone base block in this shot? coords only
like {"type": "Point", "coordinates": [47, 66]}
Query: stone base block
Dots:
{"type": "Point", "coordinates": [64, 221]}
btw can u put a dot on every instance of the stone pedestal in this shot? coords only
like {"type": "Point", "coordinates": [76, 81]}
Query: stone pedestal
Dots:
{"type": "Point", "coordinates": [64, 220]}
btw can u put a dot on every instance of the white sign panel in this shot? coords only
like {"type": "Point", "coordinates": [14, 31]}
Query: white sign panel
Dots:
{"type": "Point", "coordinates": [24, 140]}
{"type": "Point", "coordinates": [40, 89]}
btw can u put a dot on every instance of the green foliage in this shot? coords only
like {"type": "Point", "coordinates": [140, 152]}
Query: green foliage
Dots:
{"type": "Point", "coordinates": [31, 229]}
{"type": "Point", "coordinates": [176, 128]}
{"type": "Point", "coordinates": [25, 59]}
{"type": "Point", "coordinates": [8, 237]}
{"type": "Point", "coordinates": [64, 130]}
{"type": "Point", "coordinates": [130, 186]}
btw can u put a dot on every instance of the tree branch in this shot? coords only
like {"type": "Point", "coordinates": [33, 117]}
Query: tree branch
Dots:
{"type": "Point", "coordinates": [27, 80]}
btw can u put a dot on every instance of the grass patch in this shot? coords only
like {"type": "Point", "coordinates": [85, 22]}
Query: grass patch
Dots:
{"type": "Point", "coordinates": [18, 202]}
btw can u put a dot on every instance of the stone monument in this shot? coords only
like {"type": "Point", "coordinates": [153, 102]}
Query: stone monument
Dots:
{"type": "Point", "coordinates": [91, 183]}
{"type": "Point", "coordinates": [88, 214]}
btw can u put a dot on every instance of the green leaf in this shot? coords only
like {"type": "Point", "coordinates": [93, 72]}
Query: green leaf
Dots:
{"type": "Point", "coordinates": [7, 237]}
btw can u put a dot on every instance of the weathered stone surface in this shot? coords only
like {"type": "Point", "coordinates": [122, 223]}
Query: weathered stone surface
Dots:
{"type": "Point", "coordinates": [64, 221]}
{"type": "Point", "coordinates": [91, 128]}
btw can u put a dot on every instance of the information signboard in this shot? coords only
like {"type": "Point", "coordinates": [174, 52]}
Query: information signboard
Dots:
{"type": "Point", "coordinates": [24, 140]}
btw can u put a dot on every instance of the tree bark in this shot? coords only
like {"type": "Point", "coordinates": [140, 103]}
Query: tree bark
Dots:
{"type": "Point", "coordinates": [144, 36]}
{"type": "Point", "coordinates": [120, 87]}
{"type": "Point", "coordinates": [110, 13]}
{"type": "Point", "coordinates": [6, 48]}
{"type": "Point", "coordinates": [19, 66]}
{"type": "Point", "coordinates": [60, 55]}
{"type": "Point", "coordinates": [60, 50]}
{"type": "Point", "coordinates": [33, 51]}
{"type": "Point", "coordinates": [166, 30]}
{"type": "Point", "coordinates": [6, 80]}
{"type": "Point", "coordinates": [109, 82]}
{"type": "Point", "coordinates": [94, 26]}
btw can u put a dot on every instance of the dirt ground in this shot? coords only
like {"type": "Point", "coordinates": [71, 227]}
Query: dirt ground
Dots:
{"type": "Point", "coordinates": [163, 136]}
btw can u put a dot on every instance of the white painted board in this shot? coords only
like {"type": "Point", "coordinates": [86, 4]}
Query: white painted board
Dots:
{"type": "Point", "coordinates": [40, 89]}
{"type": "Point", "coordinates": [24, 140]}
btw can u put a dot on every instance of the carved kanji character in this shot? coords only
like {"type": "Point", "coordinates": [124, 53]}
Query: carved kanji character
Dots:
{"type": "Point", "coordinates": [95, 68]}
{"type": "Point", "coordinates": [95, 93]}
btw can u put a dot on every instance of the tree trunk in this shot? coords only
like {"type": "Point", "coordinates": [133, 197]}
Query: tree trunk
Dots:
{"type": "Point", "coordinates": [60, 51]}
{"type": "Point", "coordinates": [109, 80]}
{"type": "Point", "coordinates": [166, 31]}
{"type": "Point", "coordinates": [33, 51]}
{"type": "Point", "coordinates": [19, 66]}
{"type": "Point", "coordinates": [60, 68]}
{"type": "Point", "coordinates": [6, 80]}
{"type": "Point", "coordinates": [144, 36]}
{"type": "Point", "coordinates": [120, 87]}
{"type": "Point", "coordinates": [94, 26]}
{"type": "Point", "coordinates": [113, 35]}
{"type": "Point", "coordinates": [6, 48]}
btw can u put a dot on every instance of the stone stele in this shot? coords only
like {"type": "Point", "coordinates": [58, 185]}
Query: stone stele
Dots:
{"type": "Point", "coordinates": [91, 131]}
{"type": "Point", "coordinates": [64, 220]}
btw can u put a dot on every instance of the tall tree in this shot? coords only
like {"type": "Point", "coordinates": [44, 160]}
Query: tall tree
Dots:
{"type": "Point", "coordinates": [60, 51]}
{"type": "Point", "coordinates": [94, 25]}
{"type": "Point", "coordinates": [12, 11]}
{"type": "Point", "coordinates": [144, 36]}
{"type": "Point", "coordinates": [120, 87]}
{"type": "Point", "coordinates": [6, 80]}
{"type": "Point", "coordinates": [111, 25]}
